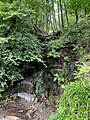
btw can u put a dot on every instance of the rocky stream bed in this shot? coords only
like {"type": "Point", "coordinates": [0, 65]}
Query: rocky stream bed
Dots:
{"type": "Point", "coordinates": [23, 104]}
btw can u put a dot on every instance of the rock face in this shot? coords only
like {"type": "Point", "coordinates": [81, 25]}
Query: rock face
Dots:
{"type": "Point", "coordinates": [9, 118]}
{"type": "Point", "coordinates": [25, 90]}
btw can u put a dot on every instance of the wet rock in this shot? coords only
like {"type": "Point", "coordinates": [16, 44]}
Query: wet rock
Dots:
{"type": "Point", "coordinates": [26, 96]}
{"type": "Point", "coordinates": [27, 104]}
{"type": "Point", "coordinates": [9, 118]}
{"type": "Point", "coordinates": [24, 86]}
{"type": "Point", "coordinates": [20, 111]}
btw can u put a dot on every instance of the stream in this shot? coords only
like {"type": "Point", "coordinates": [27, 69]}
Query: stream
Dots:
{"type": "Point", "coordinates": [24, 104]}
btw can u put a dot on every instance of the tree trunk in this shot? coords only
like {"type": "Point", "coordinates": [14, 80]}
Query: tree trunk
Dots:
{"type": "Point", "coordinates": [51, 22]}
{"type": "Point", "coordinates": [61, 13]}
{"type": "Point", "coordinates": [78, 14]}
{"type": "Point", "coordinates": [66, 12]}
{"type": "Point", "coordinates": [58, 13]}
{"type": "Point", "coordinates": [53, 15]}
{"type": "Point", "coordinates": [47, 16]}
{"type": "Point", "coordinates": [42, 21]}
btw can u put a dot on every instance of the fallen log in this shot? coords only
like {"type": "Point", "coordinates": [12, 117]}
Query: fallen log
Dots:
{"type": "Point", "coordinates": [44, 35]}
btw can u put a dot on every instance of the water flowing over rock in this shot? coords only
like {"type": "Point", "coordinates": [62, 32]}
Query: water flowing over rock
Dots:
{"type": "Point", "coordinates": [9, 118]}
{"type": "Point", "coordinates": [27, 105]}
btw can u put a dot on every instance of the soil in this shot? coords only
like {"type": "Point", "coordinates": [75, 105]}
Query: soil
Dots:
{"type": "Point", "coordinates": [27, 111]}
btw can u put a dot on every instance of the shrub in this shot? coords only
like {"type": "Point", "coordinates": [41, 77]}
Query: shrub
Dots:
{"type": "Point", "coordinates": [15, 49]}
{"type": "Point", "coordinates": [74, 103]}
{"type": "Point", "coordinates": [17, 44]}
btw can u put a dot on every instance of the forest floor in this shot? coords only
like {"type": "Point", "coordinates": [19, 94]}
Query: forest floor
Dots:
{"type": "Point", "coordinates": [25, 110]}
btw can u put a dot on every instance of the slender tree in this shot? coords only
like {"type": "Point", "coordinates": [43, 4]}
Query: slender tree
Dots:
{"type": "Point", "coordinates": [47, 15]}
{"type": "Point", "coordinates": [66, 12]}
{"type": "Point", "coordinates": [62, 20]}
{"type": "Point", "coordinates": [58, 7]}
{"type": "Point", "coordinates": [53, 14]}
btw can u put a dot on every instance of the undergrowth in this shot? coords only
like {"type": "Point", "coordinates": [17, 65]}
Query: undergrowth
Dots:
{"type": "Point", "coordinates": [74, 103]}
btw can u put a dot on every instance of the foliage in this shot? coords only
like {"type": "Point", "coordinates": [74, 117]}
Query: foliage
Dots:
{"type": "Point", "coordinates": [59, 78]}
{"type": "Point", "coordinates": [74, 6]}
{"type": "Point", "coordinates": [73, 38]}
{"type": "Point", "coordinates": [74, 102]}
{"type": "Point", "coordinates": [53, 48]}
{"type": "Point", "coordinates": [17, 44]}
{"type": "Point", "coordinates": [87, 58]}
{"type": "Point", "coordinates": [78, 35]}
{"type": "Point", "coordinates": [53, 117]}
{"type": "Point", "coordinates": [39, 83]}
{"type": "Point", "coordinates": [15, 50]}
{"type": "Point", "coordinates": [83, 71]}
{"type": "Point", "coordinates": [53, 54]}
